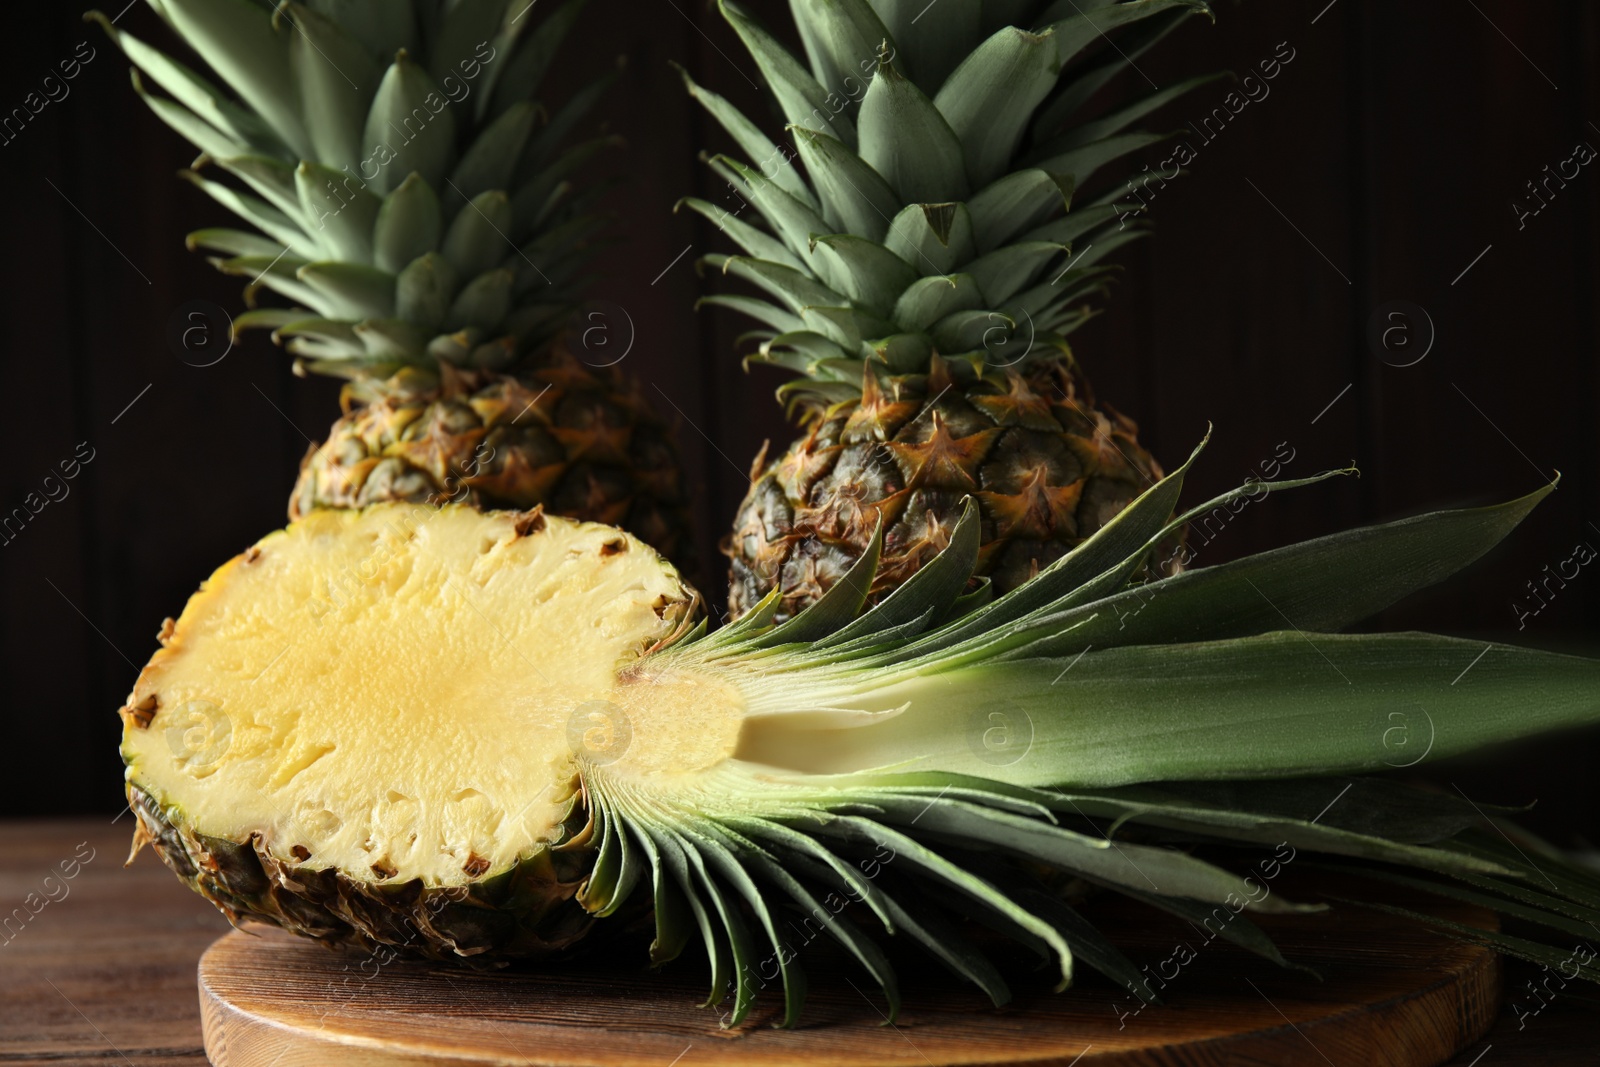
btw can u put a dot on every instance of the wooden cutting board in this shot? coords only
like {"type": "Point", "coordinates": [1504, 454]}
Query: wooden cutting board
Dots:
{"type": "Point", "coordinates": [1391, 994]}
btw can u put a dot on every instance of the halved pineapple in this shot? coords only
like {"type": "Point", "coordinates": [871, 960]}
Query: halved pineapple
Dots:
{"type": "Point", "coordinates": [470, 735]}
{"type": "Point", "coordinates": [393, 697]}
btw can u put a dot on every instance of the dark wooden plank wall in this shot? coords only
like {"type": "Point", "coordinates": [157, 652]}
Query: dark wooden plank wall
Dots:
{"type": "Point", "coordinates": [1383, 160]}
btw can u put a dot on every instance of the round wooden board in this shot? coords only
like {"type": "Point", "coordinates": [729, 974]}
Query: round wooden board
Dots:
{"type": "Point", "coordinates": [1391, 994]}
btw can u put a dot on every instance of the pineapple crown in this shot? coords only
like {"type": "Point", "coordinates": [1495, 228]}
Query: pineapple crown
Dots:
{"type": "Point", "coordinates": [407, 190]}
{"type": "Point", "coordinates": [931, 214]}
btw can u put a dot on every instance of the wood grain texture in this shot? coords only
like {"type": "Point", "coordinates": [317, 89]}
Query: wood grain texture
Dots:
{"type": "Point", "coordinates": [1392, 995]}
{"type": "Point", "coordinates": [97, 967]}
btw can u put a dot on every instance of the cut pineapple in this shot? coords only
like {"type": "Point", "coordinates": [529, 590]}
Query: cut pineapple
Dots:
{"type": "Point", "coordinates": [389, 693]}
{"type": "Point", "coordinates": [469, 735]}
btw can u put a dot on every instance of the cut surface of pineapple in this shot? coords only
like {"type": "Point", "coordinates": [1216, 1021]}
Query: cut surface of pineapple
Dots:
{"type": "Point", "coordinates": [396, 694]}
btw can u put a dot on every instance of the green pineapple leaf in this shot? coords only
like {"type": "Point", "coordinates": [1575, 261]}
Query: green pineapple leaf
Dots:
{"type": "Point", "coordinates": [337, 78]}
{"type": "Point", "coordinates": [988, 99]}
{"type": "Point", "coordinates": [410, 128]}
{"type": "Point", "coordinates": [409, 225]}
{"type": "Point", "coordinates": [907, 141]}
{"type": "Point", "coordinates": [245, 45]}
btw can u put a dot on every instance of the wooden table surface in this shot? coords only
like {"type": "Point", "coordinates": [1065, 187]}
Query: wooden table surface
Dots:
{"type": "Point", "coordinates": [97, 963]}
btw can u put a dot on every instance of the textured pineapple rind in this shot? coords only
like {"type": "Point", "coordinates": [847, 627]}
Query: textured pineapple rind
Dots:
{"type": "Point", "coordinates": [527, 911]}
{"type": "Point", "coordinates": [1047, 465]}
{"type": "Point", "coordinates": [578, 440]}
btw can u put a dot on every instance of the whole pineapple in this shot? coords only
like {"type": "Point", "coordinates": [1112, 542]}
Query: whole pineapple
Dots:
{"type": "Point", "coordinates": [416, 202]}
{"type": "Point", "coordinates": [922, 276]}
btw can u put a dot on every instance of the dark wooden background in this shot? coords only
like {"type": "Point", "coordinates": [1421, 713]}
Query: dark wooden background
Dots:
{"type": "Point", "coordinates": [1382, 167]}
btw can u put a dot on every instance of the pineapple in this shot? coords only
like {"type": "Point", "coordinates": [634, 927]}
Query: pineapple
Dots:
{"type": "Point", "coordinates": [344, 807]}
{"type": "Point", "coordinates": [411, 197]}
{"type": "Point", "coordinates": [483, 736]}
{"type": "Point", "coordinates": [921, 276]}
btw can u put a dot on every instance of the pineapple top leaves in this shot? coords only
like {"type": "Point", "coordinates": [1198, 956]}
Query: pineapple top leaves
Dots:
{"type": "Point", "coordinates": [924, 203]}
{"type": "Point", "coordinates": [1135, 720]}
{"type": "Point", "coordinates": [405, 189]}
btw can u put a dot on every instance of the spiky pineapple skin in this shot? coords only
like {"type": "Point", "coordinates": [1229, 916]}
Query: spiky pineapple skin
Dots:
{"type": "Point", "coordinates": [1046, 465]}
{"type": "Point", "coordinates": [529, 912]}
{"type": "Point", "coordinates": [579, 440]}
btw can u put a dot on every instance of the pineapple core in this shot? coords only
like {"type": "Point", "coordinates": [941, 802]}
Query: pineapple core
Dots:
{"type": "Point", "coordinates": [406, 692]}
